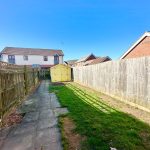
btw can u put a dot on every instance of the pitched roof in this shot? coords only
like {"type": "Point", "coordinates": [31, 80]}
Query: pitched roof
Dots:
{"type": "Point", "coordinates": [86, 63]}
{"type": "Point", "coordinates": [135, 44]}
{"type": "Point", "coordinates": [31, 51]}
{"type": "Point", "coordinates": [71, 62]}
{"type": "Point", "coordinates": [100, 60]}
{"type": "Point", "coordinates": [85, 58]}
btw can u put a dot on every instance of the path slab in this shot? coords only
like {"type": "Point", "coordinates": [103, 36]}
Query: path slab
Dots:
{"type": "Point", "coordinates": [60, 111]}
{"type": "Point", "coordinates": [47, 123]}
{"type": "Point", "coordinates": [19, 142]}
{"type": "Point", "coordinates": [31, 117]}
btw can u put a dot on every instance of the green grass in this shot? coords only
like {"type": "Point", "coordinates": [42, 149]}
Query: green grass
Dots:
{"type": "Point", "coordinates": [103, 126]}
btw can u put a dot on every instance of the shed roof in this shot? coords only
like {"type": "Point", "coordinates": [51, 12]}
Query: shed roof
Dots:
{"type": "Point", "coordinates": [31, 51]}
{"type": "Point", "coordinates": [58, 65]}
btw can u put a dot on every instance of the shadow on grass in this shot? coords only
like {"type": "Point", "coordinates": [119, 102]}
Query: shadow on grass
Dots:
{"type": "Point", "coordinates": [103, 126]}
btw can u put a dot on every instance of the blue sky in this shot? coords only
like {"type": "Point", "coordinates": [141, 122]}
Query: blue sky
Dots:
{"type": "Point", "coordinates": [78, 27]}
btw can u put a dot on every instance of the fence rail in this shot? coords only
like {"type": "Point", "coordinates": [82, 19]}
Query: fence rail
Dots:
{"type": "Point", "coordinates": [127, 80]}
{"type": "Point", "coordinates": [15, 83]}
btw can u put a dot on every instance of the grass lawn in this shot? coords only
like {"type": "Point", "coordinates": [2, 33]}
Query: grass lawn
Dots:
{"type": "Point", "coordinates": [103, 126]}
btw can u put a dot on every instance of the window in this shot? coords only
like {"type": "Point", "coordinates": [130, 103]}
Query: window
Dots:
{"type": "Point", "coordinates": [56, 59]}
{"type": "Point", "coordinates": [25, 57]}
{"type": "Point", "coordinates": [1, 57]}
{"type": "Point", "coordinates": [11, 59]}
{"type": "Point", "coordinates": [45, 58]}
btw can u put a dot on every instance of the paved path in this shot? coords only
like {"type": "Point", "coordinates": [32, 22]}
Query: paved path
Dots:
{"type": "Point", "coordinates": [38, 129]}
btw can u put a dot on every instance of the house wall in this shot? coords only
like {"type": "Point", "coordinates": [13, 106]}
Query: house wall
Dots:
{"type": "Point", "coordinates": [61, 59]}
{"type": "Point", "coordinates": [4, 58]}
{"type": "Point", "coordinates": [79, 64]}
{"type": "Point", "coordinates": [142, 49]}
{"type": "Point", "coordinates": [127, 80]}
{"type": "Point", "coordinates": [33, 59]}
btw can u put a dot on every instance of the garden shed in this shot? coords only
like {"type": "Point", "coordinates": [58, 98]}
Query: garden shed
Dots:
{"type": "Point", "coordinates": [60, 73]}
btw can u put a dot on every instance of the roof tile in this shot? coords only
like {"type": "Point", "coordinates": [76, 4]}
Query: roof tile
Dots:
{"type": "Point", "coordinates": [31, 51]}
{"type": "Point", "coordinates": [100, 60]}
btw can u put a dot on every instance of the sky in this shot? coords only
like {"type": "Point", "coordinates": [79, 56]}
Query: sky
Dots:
{"type": "Point", "coordinates": [78, 27]}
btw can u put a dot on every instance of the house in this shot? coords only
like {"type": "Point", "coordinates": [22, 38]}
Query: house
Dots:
{"type": "Point", "coordinates": [44, 58]}
{"type": "Point", "coordinates": [91, 60]}
{"type": "Point", "coordinates": [140, 48]}
{"type": "Point", "coordinates": [99, 60]}
{"type": "Point", "coordinates": [83, 60]}
{"type": "Point", "coordinates": [71, 63]}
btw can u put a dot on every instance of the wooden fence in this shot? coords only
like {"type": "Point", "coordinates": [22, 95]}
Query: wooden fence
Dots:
{"type": "Point", "coordinates": [127, 80]}
{"type": "Point", "coordinates": [15, 83]}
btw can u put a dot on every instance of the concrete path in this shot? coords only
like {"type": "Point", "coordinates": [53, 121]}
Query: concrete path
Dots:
{"type": "Point", "coordinates": [38, 129]}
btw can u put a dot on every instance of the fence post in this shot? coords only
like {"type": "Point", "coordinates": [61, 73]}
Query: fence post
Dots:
{"type": "Point", "coordinates": [25, 80]}
{"type": "Point", "coordinates": [1, 108]}
{"type": "Point", "coordinates": [33, 72]}
{"type": "Point", "coordinates": [38, 74]}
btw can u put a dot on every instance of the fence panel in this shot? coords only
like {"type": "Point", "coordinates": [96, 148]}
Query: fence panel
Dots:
{"type": "Point", "coordinates": [127, 80]}
{"type": "Point", "coordinates": [15, 83]}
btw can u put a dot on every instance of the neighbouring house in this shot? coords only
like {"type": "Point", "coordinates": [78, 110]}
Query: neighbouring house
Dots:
{"type": "Point", "coordinates": [83, 60]}
{"type": "Point", "coordinates": [140, 48]}
{"type": "Point", "coordinates": [91, 60]}
{"type": "Point", "coordinates": [60, 73]}
{"type": "Point", "coordinates": [44, 58]}
{"type": "Point", "coordinates": [99, 60]}
{"type": "Point", "coordinates": [71, 63]}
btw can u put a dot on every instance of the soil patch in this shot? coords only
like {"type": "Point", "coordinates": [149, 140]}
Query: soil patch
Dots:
{"type": "Point", "coordinates": [57, 83]}
{"type": "Point", "coordinates": [146, 139]}
{"type": "Point", "coordinates": [13, 118]}
{"type": "Point", "coordinates": [72, 138]}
